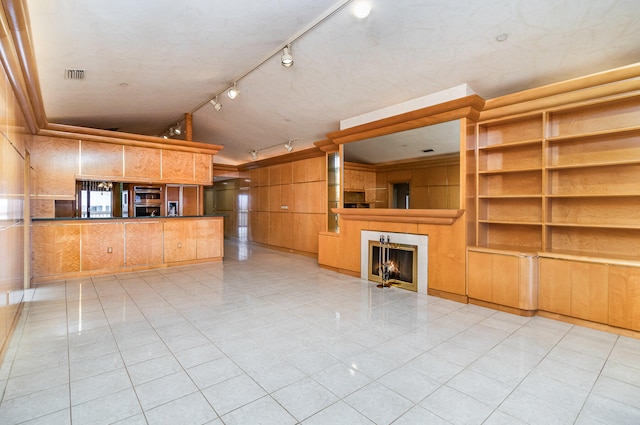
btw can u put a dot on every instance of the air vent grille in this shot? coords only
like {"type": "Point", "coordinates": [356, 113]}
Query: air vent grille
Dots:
{"type": "Point", "coordinates": [74, 74]}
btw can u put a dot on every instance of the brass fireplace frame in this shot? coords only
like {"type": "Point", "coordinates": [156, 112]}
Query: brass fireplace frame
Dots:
{"type": "Point", "coordinates": [395, 282]}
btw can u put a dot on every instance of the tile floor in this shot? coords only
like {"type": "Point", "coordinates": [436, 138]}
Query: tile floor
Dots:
{"type": "Point", "coordinates": [270, 338]}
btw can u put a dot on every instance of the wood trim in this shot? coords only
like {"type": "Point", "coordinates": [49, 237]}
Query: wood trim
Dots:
{"type": "Point", "coordinates": [466, 107]}
{"type": "Point", "coordinates": [359, 167]}
{"type": "Point", "coordinates": [506, 309]}
{"type": "Point", "coordinates": [326, 146]}
{"type": "Point", "coordinates": [588, 324]}
{"type": "Point", "coordinates": [580, 83]}
{"type": "Point", "coordinates": [341, 271]}
{"type": "Point", "coordinates": [446, 217]}
{"type": "Point", "coordinates": [10, 58]}
{"type": "Point", "coordinates": [448, 295]}
{"type": "Point", "coordinates": [282, 159]}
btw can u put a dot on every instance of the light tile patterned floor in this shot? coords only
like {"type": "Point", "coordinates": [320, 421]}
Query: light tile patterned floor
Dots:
{"type": "Point", "coordinates": [270, 338]}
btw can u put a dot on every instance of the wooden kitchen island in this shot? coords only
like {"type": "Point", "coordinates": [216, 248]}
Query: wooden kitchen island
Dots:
{"type": "Point", "coordinates": [68, 248]}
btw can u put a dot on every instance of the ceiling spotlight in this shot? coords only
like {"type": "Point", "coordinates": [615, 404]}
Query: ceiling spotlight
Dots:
{"type": "Point", "coordinates": [216, 104]}
{"type": "Point", "coordinates": [177, 130]}
{"type": "Point", "coordinates": [288, 146]}
{"type": "Point", "coordinates": [361, 8]}
{"type": "Point", "coordinates": [287, 59]}
{"type": "Point", "coordinates": [233, 91]}
{"type": "Point", "coordinates": [254, 154]}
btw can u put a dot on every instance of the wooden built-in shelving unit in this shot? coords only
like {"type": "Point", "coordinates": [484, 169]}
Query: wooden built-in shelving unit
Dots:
{"type": "Point", "coordinates": [563, 184]}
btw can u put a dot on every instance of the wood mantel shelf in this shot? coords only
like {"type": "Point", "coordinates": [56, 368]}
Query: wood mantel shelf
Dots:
{"type": "Point", "coordinates": [439, 216]}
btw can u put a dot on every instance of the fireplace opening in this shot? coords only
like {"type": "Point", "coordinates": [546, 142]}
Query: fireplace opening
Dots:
{"type": "Point", "coordinates": [402, 264]}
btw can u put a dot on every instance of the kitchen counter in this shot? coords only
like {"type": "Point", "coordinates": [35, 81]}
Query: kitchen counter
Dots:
{"type": "Point", "coordinates": [75, 247]}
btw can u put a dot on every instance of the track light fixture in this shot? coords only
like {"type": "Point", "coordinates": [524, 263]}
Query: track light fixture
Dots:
{"type": "Point", "coordinates": [217, 106]}
{"type": "Point", "coordinates": [287, 59]}
{"type": "Point", "coordinates": [361, 8]}
{"type": "Point", "coordinates": [254, 154]}
{"type": "Point", "coordinates": [233, 91]}
{"type": "Point", "coordinates": [288, 146]}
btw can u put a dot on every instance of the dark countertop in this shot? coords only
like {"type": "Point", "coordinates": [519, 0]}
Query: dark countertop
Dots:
{"type": "Point", "coordinates": [126, 218]}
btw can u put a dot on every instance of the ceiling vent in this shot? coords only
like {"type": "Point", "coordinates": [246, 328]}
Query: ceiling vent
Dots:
{"type": "Point", "coordinates": [74, 74]}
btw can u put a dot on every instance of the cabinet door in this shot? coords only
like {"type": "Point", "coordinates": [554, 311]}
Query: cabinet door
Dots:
{"type": "Point", "coordinates": [179, 240]}
{"type": "Point", "coordinates": [624, 297]}
{"type": "Point", "coordinates": [589, 291]}
{"type": "Point", "coordinates": [209, 238]}
{"type": "Point", "coordinates": [56, 250]}
{"type": "Point", "coordinates": [505, 280]}
{"type": "Point", "coordinates": [102, 246]}
{"type": "Point", "coordinates": [143, 243]}
{"type": "Point", "coordinates": [479, 276]}
{"type": "Point", "coordinates": [555, 286]}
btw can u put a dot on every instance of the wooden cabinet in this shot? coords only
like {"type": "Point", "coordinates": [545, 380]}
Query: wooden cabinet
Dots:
{"type": "Point", "coordinates": [209, 239]}
{"type": "Point", "coordinates": [600, 292]}
{"type": "Point", "coordinates": [507, 279]}
{"type": "Point", "coordinates": [593, 169]}
{"type": "Point", "coordinates": [562, 183]}
{"type": "Point", "coordinates": [102, 246]}
{"type": "Point", "coordinates": [143, 243]}
{"type": "Point", "coordinates": [83, 247]}
{"type": "Point", "coordinates": [624, 297]}
{"type": "Point", "coordinates": [141, 164]}
{"type": "Point", "coordinates": [574, 288]}
{"type": "Point", "coordinates": [55, 250]}
{"type": "Point", "coordinates": [509, 179]}
{"type": "Point", "coordinates": [179, 240]}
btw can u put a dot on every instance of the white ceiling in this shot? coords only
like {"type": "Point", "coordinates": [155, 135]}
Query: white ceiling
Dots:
{"type": "Point", "coordinates": [148, 62]}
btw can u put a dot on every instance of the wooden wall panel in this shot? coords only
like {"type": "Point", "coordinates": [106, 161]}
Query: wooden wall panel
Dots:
{"type": "Point", "coordinates": [177, 167]}
{"type": "Point", "coordinates": [278, 226]}
{"type": "Point", "coordinates": [555, 286]}
{"type": "Point", "coordinates": [275, 200]}
{"type": "Point", "coordinates": [55, 249]}
{"type": "Point", "coordinates": [203, 168]}
{"type": "Point", "coordinates": [190, 197]}
{"type": "Point", "coordinates": [624, 297]}
{"type": "Point", "coordinates": [102, 160]}
{"type": "Point", "coordinates": [259, 228]}
{"type": "Point", "coordinates": [141, 163]}
{"type": "Point", "coordinates": [143, 243]}
{"type": "Point", "coordinates": [59, 180]}
{"type": "Point", "coordinates": [102, 246]}
{"type": "Point", "coordinates": [42, 208]}
{"type": "Point", "coordinates": [179, 240]}
{"type": "Point", "coordinates": [210, 240]}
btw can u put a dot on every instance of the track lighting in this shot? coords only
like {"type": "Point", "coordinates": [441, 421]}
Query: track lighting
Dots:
{"type": "Point", "coordinates": [287, 59]}
{"type": "Point", "coordinates": [288, 146]}
{"type": "Point", "coordinates": [361, 8]}
{"type": "Point", "coordinates": [254, 154]}
{"type": "Point", "coordinates": [217, 106]}
{"type": "Point", "coordinates": [233, 91]}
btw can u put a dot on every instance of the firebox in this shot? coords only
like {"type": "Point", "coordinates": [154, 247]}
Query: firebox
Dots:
{"type": "Point", "coordinates": [402, 264]}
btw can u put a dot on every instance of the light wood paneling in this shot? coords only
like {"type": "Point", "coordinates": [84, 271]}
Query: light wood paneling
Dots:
{"type": "Point", "coordinates": [590, 291]}
{"type": "Point", "coordinates": [102, 160]}
{"type": "Point", "coordinates": [102, 246]}
{"type": "Point", "coordinates": [55, 163]}
{"type": "Point", "coordinates": [142, 163]}
{"type": "Point", "coordinates": [260, 227]}
{"type": "Point", "coordinates": [143, 243]}
{"type": "Point", "coordinates": [480, 275]}
{"type": "Point", "coordinates": [177, 167]}
{"type": "Point", "coordinates": [624, 297]}
{"type": "Point", "coordinates": [210, 240]}
{"type": "Point", "coordinates": [278, 226]}
{"type": "Point", "coordinates": [506, 285]}
{"type": "Point", "coordinates": [179, 240]}
{"type": "Point", "coordinates": [275, 200]}
{"type": "Point", "coordinates": [42, 208]}
{"type": "Point", "coordinates": [55, 250]}
{"type": "Point", "coordinates": [555, 286]}
{"type": "Point", "coordinates": [190, 197]}
{"type": "Point", "coordinates": [203, 168]}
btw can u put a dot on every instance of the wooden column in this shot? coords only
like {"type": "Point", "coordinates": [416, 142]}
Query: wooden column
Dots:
{"type": "Point", "coordinates": [188, 127]}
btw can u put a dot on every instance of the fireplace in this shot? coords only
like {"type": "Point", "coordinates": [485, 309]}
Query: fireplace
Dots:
{"type": "Point", "coordinates": [401, 261]}
{"type": "Point", "coordinates": [419, 251]}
